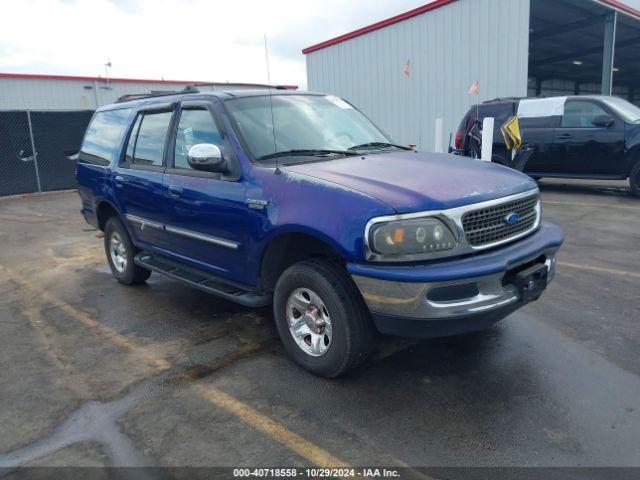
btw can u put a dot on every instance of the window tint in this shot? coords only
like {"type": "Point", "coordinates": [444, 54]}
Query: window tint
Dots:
{"type": "Point", "coordinates": [103, 136]}
{"type": "Point", "coordinates": [196, 126]}
{"type": "Point", "coordinates": [152, 133]}
{"type": "Point", "coordinates": [581, 114]}
{"type": "Point", "coordinates": [539, 122]}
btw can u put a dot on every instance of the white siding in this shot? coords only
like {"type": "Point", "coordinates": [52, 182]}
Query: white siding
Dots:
{"type": "Point", "coordinates": [72, 94]}
{"type": "Point", "coordinates": [449, 48]}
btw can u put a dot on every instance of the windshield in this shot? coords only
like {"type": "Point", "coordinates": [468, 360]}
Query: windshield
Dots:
{"type": "Point", "coordinates": [626, 110]}
{"type": "Point", "coordinates": [309, 123]}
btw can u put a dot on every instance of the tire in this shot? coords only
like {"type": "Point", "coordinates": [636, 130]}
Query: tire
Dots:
{"type": "Point", "coordinates": [348, 334]}
{"type": "Point", "coordinates": [120, 254]}
{"type": "Point", "coordinates": [634, 180]}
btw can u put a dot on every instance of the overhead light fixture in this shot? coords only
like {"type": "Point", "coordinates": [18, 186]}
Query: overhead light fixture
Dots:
{"type": "Point", "coordinates": [577, 62]}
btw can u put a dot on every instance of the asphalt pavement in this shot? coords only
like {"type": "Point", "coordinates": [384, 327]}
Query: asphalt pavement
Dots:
{"type": "Point", "coordinates": [98, 374]}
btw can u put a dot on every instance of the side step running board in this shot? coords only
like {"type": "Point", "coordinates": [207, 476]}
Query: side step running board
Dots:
{"type": "Point", "coordinates": [202, 280]}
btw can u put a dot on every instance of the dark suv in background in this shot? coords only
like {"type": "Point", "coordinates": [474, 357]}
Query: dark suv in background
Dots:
{"type": "Point", "coordinates": [596, 137]}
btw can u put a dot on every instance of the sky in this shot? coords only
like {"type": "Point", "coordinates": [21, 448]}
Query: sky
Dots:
{"type": "Point", "coordinates": [199, 40]}
{"type": "Point", "coordinates": [203, 40]}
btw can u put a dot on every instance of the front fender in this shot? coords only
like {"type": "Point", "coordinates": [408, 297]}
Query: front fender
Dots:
{"type": "Point", "coordinates": [296, 203]}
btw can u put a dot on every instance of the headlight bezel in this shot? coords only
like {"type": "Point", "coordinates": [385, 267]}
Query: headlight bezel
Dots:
{"type": "Point", "coordinates": [373, 255]}
{"type": "Point", "coordinates": [410, 228]}
{"type": "Point", "coordinates": [452, 218]}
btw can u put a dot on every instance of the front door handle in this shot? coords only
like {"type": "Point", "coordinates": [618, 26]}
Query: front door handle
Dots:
{"type": "Point", "coordinates": [565, 136]}
{"type": "Point", "coordinates": [119, 181]}
{"type": "Point", "coordinates": [175, 190]}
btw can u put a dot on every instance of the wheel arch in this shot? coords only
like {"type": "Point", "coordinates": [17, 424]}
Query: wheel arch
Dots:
{"type": "Point", "coordinates": [290, 246]}
{"type": "Point", "coordinates": [634, 158]}
{"type": "Point", "coordinates": [104, 211]}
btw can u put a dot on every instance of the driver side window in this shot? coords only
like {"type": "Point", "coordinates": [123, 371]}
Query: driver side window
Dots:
{"type": "Point", "coordinates": [196, 126]}
{"type": "Point", "coordinates": [581, 114]}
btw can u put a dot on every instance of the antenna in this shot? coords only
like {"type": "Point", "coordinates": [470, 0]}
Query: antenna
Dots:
{"type": "Point", "coordinates": [273, 122]}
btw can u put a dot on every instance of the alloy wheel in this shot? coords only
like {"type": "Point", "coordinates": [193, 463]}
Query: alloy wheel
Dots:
{"type": "Point", "coordinates": [309, 322]}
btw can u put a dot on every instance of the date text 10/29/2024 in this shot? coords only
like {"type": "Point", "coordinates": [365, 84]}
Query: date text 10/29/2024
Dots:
{"type": "Point", "coordinates": [315, 473]}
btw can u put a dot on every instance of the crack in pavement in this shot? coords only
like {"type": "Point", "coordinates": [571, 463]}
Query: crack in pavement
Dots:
{"type": "Point", "coordinates": [94, 421]}
{"type": "Point", "coordinates": [98, 421]}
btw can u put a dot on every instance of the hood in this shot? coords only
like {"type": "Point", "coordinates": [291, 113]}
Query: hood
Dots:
{"type": "Point", "coordinates": [410, 181]}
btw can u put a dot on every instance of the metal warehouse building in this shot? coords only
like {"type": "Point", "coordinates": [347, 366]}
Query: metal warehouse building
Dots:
{"type": "Point", "coordinates": [406, 71]}
{"type": "Point", "coordinates": [59, 92]}
{"type": "Point", "coordinates": [43, 119]}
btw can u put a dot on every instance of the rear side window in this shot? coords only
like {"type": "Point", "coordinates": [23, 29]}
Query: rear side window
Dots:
{"type": "Point", "coordinates": [148, 138]}
{"type": "Point", "coordinates": [581, 114]}
{"type": "Point", "coordinates": [501, 112]}
{"type": "Point", "coordinates": [102, 139]}
{"type": "Point", "coordinates": [539, 122]}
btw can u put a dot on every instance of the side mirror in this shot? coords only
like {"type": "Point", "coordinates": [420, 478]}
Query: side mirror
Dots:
{"type": "Point", "coordinates": [206, 157]}
{"type": "Point", "coordinates": [603, 121]}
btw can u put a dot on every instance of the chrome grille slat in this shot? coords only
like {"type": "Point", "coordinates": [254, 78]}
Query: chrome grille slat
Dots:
{"type": "Point", "coordinates": [487, 225]}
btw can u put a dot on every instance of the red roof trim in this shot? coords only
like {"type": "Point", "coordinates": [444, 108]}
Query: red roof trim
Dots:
{"type": "Point", "coordinates": [622, 7]}
{"type": "Point", "coordinates": [376, 26]}
{"type": "Point", "coordinates": [427, 8]}
{"type": "Point", "coordinates": [31, 76]}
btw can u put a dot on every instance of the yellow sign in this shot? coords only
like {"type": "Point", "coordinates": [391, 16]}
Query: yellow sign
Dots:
{"type": "Point", "coordinates": [511, 133]}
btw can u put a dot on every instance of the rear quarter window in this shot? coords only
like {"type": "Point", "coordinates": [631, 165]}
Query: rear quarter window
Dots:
{"type": "Point", "coordinates": [501, 112]}
{"type": "Point", "coordinates": [103, 136]}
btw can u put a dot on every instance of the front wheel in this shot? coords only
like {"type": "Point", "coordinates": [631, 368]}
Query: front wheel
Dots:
{"type": "Point", "coordinates": [321, 318]}
{"type": "Point", "coordinates": [634, 180]}
{"type": "Point", "coordinates": [120, 254]}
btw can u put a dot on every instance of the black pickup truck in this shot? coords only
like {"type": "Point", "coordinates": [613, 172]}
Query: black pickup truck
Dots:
{"type": "Point", "coordinates": [593, 137]}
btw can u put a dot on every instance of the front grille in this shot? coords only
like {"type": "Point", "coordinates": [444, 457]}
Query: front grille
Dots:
{"type": "Point", "coordinates": [488, 225]}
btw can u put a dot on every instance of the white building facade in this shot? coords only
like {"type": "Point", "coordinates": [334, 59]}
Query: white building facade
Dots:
{"type": "Point", "coordinates": [409, 70]}
{"type": "Point", "coordinates": [59, 92]}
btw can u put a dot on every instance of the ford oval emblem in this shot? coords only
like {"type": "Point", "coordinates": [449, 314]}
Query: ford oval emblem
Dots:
{"type": "Point", "coordinates": [512, 218]}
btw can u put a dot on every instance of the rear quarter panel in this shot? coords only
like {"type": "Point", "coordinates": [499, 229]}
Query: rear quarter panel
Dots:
{"type": "Point", "coordinates": [632, 144]}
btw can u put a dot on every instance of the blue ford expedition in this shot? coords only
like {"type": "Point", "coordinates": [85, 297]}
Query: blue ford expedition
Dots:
{"type": "Point", "coordinates": [298, 200]}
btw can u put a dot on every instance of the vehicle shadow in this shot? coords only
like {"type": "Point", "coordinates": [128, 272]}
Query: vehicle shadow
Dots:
{"type": "Point", "coordinates": [618, 189]}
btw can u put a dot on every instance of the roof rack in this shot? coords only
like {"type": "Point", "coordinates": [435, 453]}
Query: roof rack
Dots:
{"type": "Point", "coordinates": [503, 99]}
{"type": "Point", "coordinates": [507, 99]}
{"type": "Point", "coordinates": [139, 96]}
{"type": "Point", "coordinates": [193, 88]}
{"type": "Point", "coordinates": [256, 85]}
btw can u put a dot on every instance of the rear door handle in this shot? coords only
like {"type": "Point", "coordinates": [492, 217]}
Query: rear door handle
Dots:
{"type": "Point", "coordinates": [119, 181]}
{"type": "Point", "coordinates": [565, 136]}
{"type": "Point", "coordinates": [175, 190]}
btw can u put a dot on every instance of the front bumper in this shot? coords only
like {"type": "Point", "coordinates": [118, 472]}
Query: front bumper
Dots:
{"type": "Point", "coordinates": [457, 296]}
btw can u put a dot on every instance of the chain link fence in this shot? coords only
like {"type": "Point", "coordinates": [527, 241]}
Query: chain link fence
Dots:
{"type": "Point", "coordinates": [34, 146]}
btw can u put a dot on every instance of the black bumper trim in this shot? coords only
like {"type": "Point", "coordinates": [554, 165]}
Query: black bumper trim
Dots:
{"type": "Point", "coordinates": [426, 328]}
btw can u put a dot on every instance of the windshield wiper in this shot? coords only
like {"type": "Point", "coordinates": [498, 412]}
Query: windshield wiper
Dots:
{"type": "Point", "coordinates": [378, 145]}
{"type": "Point", "coordinates": [307, 152]}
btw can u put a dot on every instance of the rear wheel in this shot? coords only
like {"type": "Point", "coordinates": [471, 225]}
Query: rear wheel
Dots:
{"type": "Point", "coordinates": [120, 254]}
{"type": "Point", "coordinates": [634, 180]}
{"type": "Point", "coordinates": [321, 318]}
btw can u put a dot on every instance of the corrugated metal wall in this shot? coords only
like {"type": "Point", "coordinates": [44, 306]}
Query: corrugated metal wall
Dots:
{"type": "Point", "coordinates": [71, 94]}
{"type": "Point", "coordinates": [449, 48]}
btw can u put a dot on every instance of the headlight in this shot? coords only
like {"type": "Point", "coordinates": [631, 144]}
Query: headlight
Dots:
{"type": "Point", "coordinates": [409, 237]}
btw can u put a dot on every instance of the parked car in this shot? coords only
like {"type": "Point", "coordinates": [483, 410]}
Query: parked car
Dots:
{"type": "Point", "coordinates": [322, 216]}
{"type": "Point", "coordinates": [592, 137]}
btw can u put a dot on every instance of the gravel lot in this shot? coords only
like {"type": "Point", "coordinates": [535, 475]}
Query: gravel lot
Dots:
{"type": "Point", "coordinates": [95, 373]}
